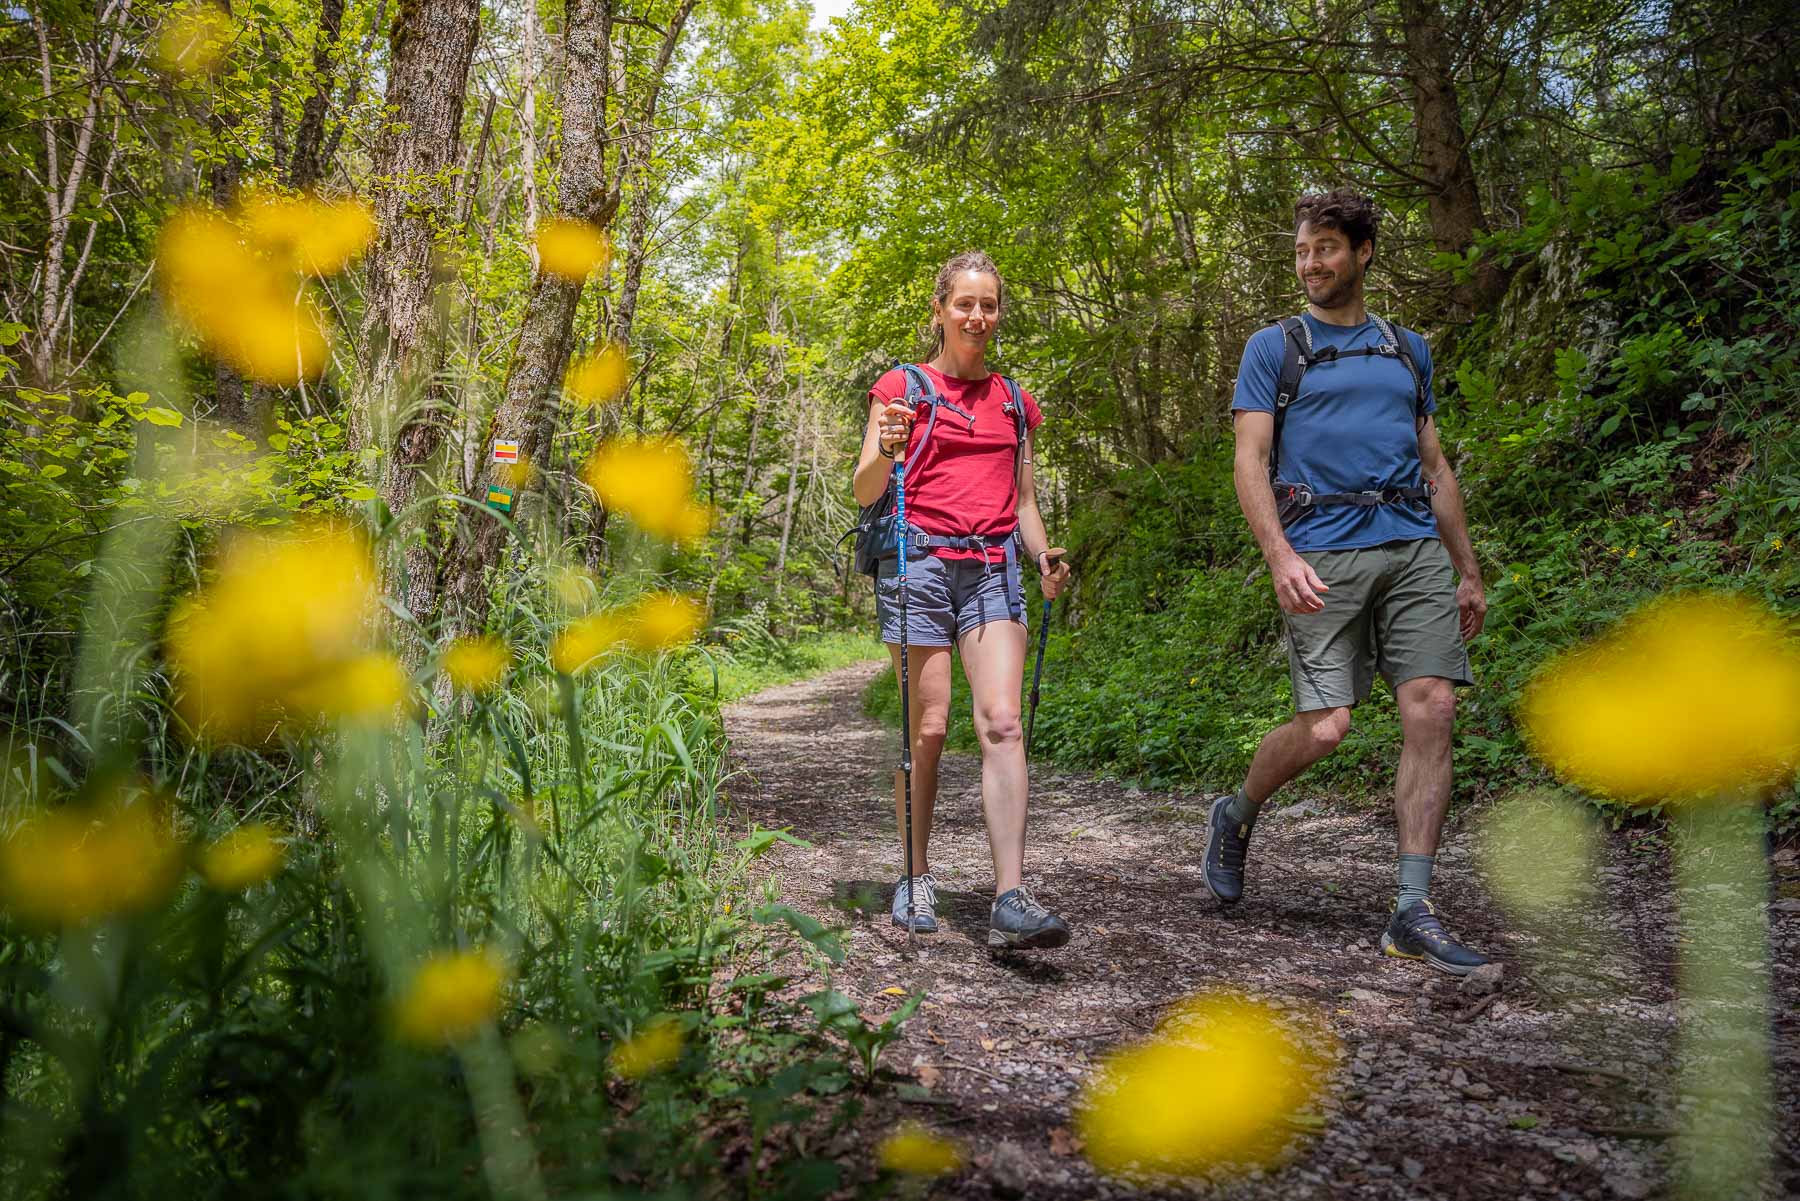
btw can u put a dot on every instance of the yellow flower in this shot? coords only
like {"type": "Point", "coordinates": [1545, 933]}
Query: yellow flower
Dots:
{"type": "Point", "coordinates": [915, 1151]}
{"type": "Point", "coordinates": [1540, 852]}
{"type": "Point", "coordinates": [477, 664]}
{"type": "Point", "coordinates": [244, 308]}
{"type": "Point", "coordinates": [600, 377]}
{"type": "Point", "coordinates": [450, 998]}
{"type": "Point", "coordinates": [1689, 696]}
{"type": "Point", "coordinates": [584, 640]}
{"type": "Point", "coordinates": [572, 249]}
{"type": "Point", "coordinates": [519, 475]}
{"type": "Point", "coordinates": [1632, 553]}
{"type": "Point", "coordinates": [243, 858]}
{"type": "Point", "coordinates": [309, 235]}
{"type": "Point", "coordinates": [64, 867]}
{"type": "Point", "coordinates": [664, 619]}
{"type": "Point", "coordinates": [573, 586]}
{"type": "Point", "coordinates": [282, 631]}
{"type": "Point", "coordinates": [367, 689]}
{"type": "Point", "coordinates": [1776, 544]}
{"type": "Point", "coordinates": [1213, 1084]}
{"type": "Point", "coordinates": [652, 1049]}
{"type": "Point", "coordinates": [649, 481]}
{"type": "Point", "coordinates": [193, 40]}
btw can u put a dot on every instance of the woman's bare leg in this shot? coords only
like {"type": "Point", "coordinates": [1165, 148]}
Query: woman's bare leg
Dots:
{"type": "Point", "coordinates": [993, 658]}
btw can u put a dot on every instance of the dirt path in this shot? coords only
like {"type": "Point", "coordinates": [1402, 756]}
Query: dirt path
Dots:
{"type": "Point", "coordinates": [1556, 1086]}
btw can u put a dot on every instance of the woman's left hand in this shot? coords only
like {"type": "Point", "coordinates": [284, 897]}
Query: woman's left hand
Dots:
{"type": "Point", "coordinates": [1053, 573]}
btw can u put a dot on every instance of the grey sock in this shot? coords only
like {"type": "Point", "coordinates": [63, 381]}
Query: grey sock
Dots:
{"type": "Point", "coordinates": [1242, 809]}
{"type": "Point", "coordinates": [1415, 879]}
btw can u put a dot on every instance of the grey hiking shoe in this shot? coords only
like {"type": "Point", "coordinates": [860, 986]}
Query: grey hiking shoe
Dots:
{"type": "Point", "coordinates": [1416, 933]}
{"type": "Point", "coordinates": [924, 891]}
{"type": "Point", "coordinates": [1017, 920]}
{"type": "Point", "coordinates": [1227, 842]}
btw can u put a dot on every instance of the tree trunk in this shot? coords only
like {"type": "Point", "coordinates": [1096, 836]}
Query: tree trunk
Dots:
{"type": "Point", "coordinates": [307, 167]}
{"type": "Point", "coordinates": [397, 409]}
{"type": "Point", "coordinates": [1453, 202]}
{"type": "Point", "coordinates": [793, 481]}
{"type": "Point", "coordinates": [534, 381]}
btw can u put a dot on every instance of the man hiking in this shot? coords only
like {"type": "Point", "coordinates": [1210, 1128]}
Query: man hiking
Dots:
{"type": "Point", "coordinates": [1341, 477]}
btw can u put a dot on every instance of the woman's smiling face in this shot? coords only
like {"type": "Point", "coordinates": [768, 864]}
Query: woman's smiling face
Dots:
{"type": "Point", "coordinates": [972, 310]}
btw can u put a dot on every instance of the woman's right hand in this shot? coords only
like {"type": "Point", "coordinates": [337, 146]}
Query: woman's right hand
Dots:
{"type": "Point", "coordinates": [895, 427]}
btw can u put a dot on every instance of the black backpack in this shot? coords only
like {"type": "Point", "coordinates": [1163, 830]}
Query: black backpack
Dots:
{"type": "Point", "coordinates": [877, 532]}
{"type": "Point", "coordinates": [1294, 501]}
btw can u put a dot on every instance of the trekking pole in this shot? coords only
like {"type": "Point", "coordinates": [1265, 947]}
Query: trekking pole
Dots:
{"type": "Point", "coordinates": [1037, 673]}
{"type": "Point", "coordinates": [905, 692]}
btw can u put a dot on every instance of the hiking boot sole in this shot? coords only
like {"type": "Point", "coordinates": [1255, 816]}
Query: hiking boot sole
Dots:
{"type": "Point", "coordinates": [1391, 948]}
{"type": "Point", "coordinates": [1041, 940]}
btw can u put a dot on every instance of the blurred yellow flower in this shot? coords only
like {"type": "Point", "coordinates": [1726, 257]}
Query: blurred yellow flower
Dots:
{"type": "Point", "coordinates": [572, 249]}
{"type": "Point", "coordinates": [1689, 696]}
{"type": "Point", "coordinates": [307, 234]}
{"type": "Point", "coordinates": [600, 377]}
{"type": "Point", "coordinates": [282, 631]}
{"type": "Point", "coordinates": [477, 664]}
{"type": "Point", "coordinates": [573, 586]}
{"type": "Point", "coordinates": [517, 475]}
{"type": "Point", "coordinates": [1540, 851]}
{"type": "Point", "coordinates": [244, 308]}
{"type": "Point", "coordinates": [243, 858]}
{"type": "Point", "coordinates": [649, 481]}
{"type": "Point", "coordinates": [193, 40]}
{"type": "Point", "coordinates": [915, 1151]}
{"type": "Point", "coordinates": [652, 1049]}
{"type": "Point", "coordinates": [664, 619]}
{"type": "Point", "coordinates": [64, 867]}
{"type": "Point", "coordinates": [584, 640]}
{"type": "Point", "coordinates": [451, 997]}
{"type": "Point", "coordinates": [1214, 1084]}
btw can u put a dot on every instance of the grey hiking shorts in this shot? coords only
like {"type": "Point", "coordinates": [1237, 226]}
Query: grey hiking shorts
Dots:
{"type": "Point", "coordinates": [945, 599]}
{"type": "Point", "coordinates": [1391, 609]}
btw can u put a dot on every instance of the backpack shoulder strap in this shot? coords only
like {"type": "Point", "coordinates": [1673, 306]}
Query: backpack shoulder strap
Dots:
{"type": "Point", "coordinates": [1392, 335]}
{"type": "Point", "coordinates": [919, 387]}
{"type": "Point", "coordinates": [1016, 404]}
{"type": "Point", "coordinates": [1296, 356]}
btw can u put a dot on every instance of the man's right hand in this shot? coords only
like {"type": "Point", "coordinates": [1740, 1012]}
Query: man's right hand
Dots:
{"type": "Point", "coordinates": [1297, 585]}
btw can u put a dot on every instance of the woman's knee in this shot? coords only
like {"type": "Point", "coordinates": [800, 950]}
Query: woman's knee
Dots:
{"type": "Point", "coordinates": [999, 724]}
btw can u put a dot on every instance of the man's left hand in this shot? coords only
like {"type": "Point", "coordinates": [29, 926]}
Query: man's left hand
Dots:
{"type": "Point", "coordinates": [1471, 607]}
{"type": "Point", "coordinates": [1052, 578]}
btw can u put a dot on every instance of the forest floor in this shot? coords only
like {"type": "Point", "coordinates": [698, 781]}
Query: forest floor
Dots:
{"type": "Point", "coordinates": [1558, 1084]}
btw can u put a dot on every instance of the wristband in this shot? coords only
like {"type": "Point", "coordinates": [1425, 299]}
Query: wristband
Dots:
{"type": "Point", "coordinates": [884, 451]}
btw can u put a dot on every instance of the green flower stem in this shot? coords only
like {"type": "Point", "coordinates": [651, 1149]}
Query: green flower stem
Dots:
{"type": "Point", "coordinates": [1722, 886]}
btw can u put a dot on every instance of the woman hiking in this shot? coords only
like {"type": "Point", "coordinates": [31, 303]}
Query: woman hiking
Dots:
{"type": "Point", "coordinates": [973, 523]}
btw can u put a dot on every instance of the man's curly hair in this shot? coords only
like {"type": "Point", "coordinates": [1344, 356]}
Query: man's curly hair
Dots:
{"type": "Point", "coordinates": [1341, 209]}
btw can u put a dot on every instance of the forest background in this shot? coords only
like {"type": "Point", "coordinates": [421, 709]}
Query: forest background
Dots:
{"type": "Point", "coordinates": [1590, 211]}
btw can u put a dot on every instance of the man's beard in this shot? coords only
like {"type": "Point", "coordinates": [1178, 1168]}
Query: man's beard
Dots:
{"type": "Point", "coordinates": [1339, 293]}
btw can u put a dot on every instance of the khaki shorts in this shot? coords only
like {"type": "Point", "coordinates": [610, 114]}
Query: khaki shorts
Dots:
{"type": "Point", "coordinates": [1391, 609]}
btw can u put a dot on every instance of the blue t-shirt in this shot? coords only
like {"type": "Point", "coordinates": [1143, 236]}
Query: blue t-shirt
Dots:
{"type": "Point", "coordinates": [1349, 430]}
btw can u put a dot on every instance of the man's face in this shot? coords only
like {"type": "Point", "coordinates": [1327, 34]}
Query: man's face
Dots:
{"type": "Point", "coordinates": [1330, 269]}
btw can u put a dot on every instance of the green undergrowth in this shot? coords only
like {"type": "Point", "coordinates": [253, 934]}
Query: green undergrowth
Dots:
{"type": "Point", "coordinates": [744, 658]}
{"type": "Point", "coordinates": [1622, 427]}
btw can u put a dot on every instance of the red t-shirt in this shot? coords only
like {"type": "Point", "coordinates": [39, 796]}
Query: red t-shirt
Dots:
{"type": "Point", "coordinates": [965, 481]}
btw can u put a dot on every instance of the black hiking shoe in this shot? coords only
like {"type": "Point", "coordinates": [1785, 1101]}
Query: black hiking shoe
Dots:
{"type": "Point", "coordinates": [1017, 920]}
{"type": "Point", "coordinates": [1416, 933]}
{"type": "Point", "coordinates": [1222, 867]}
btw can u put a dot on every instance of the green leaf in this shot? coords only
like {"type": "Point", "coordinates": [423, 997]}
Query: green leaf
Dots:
{"type": "Point", "coordinates": [158, 415]}
{"type": "Point", "coordinates": [51, 470]}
